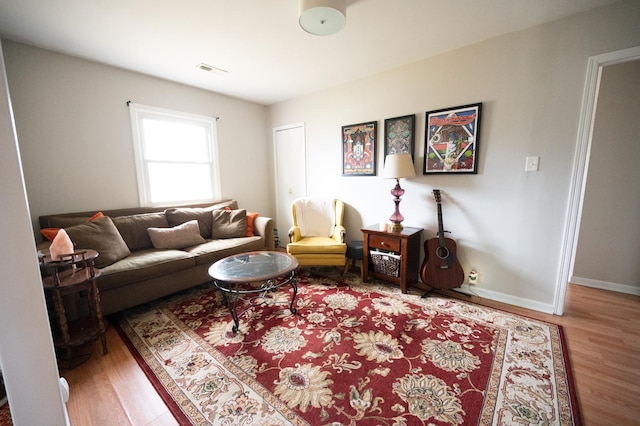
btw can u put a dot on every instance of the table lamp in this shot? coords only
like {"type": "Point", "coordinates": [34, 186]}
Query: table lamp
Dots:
{"type": "Point", "coordinates": [397, 166]}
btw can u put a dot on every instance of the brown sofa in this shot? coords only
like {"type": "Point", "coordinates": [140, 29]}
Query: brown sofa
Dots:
{"type": "Point", "coordinates": [134, 270]}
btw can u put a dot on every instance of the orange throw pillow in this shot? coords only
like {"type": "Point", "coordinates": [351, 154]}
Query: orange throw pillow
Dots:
{"type": "Point", "coordinates": [95, 216]}
{"type": "Point", "coordinates": [49, 233]}
{"type": "Point", "coordinates": [250, 218]}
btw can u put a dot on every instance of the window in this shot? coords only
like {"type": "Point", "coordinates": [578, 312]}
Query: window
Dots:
{"type": "Point", "coordinates": [176, 156]}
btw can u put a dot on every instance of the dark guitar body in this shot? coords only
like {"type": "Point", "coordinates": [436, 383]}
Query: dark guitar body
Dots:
{"type": "Point", "coordinates": [441, 268]}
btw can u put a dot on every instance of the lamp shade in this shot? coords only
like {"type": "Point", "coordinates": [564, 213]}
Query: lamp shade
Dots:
{"type": "Point", "coordinates": [398, 166]}
{"type": "Point", "coordinates": [323, 17]}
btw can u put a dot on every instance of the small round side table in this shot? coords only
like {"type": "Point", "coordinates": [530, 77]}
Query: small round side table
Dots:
{"type": "Point", "coordinates": [74, 273]}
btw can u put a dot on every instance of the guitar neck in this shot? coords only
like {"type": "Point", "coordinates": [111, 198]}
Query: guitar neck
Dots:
{"type": "Point", "coordinates": [440, 227]}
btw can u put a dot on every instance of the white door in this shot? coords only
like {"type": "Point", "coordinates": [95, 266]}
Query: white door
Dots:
{"type": "Point", "coordinates": [290, 174]}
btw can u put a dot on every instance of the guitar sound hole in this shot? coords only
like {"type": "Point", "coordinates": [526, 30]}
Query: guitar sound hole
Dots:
{"type": "Point", "coordinates": [442, 252]}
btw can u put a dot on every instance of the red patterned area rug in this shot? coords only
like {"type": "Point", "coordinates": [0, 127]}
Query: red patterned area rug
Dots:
{"type": "Point", "coordinates": [354, 354]}
{"type": "Point", "coordinates": [5, 415]}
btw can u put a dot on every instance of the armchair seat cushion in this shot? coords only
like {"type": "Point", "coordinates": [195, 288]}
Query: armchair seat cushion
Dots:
{"type": "Point", "coordinates": [318, 245]}
{"type": "Point", "coordinates": [321, 259]}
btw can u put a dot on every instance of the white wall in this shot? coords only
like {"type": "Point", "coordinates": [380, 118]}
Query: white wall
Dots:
{"type": "Point", "coordinates": [27, 356]}
{"type": "Point", "coordinates": [607, 253]}
{"type": "Point", "coordinates": [75, 134]}
{"type": "Point", "coordinates": [508, 223]}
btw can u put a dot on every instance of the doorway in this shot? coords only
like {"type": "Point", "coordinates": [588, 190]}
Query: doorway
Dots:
{"type": "Point", "coordinates": [580, 167]}
{"type": "Point", "coordinates": [290, 173]}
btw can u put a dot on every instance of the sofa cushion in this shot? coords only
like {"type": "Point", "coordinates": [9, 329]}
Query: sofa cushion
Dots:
{"type": "Point", "coordinates": [144, 265]}
{"type": "Point", "coordinates": [213, 250]}
{"type": "Point", "coordinates": [133, 228]}
{"type": "Point", "coordinates": [229, 223]}
{"type": "Point", "coordinates": [100, 235]}
{"type": "Point", "coordinates": [180, 215]}
{"type": "Point", "coordinates": [181, 236]}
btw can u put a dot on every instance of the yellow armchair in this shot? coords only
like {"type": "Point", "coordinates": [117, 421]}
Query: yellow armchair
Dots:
{"type": "Point", "coordinates": [317, 235]}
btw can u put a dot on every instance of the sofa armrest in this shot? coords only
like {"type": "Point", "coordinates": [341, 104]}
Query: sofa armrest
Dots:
{"type": "Point", "coordinates": [264, 227]}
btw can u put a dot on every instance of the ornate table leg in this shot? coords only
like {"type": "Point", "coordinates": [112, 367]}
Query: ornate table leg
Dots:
{"type": "Point", "coordinates": [98, 313]}
{"type": "Point", "coordinates": [230, 298]}
{"type": "Point", "coordinates": [294, 286]}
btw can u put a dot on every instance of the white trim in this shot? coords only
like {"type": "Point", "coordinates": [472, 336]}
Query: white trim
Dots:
{"type": "Point", "coordinates": [580, 166]}
{"type": "Point", "coordinates": [605, 285]}
{"type": "Point", "coordinates": [475, 290]}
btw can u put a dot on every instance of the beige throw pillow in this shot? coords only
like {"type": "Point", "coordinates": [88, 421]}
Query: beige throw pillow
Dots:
{"type": "Point", "coordinates": [181, 236]}
{"type": "Point", "coordinates": [229, 224]}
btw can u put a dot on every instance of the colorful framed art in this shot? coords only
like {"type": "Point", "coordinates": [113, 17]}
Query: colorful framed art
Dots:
{"type": "Point", "coordinates": [451, 140]}
{"type": "Point", "coordinates": [359, 148]}
{"type": "Point", "coordinates": [399, 135]}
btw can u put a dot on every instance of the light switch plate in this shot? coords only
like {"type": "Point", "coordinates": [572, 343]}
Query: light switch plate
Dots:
{"type": "Point", "coordinates": [532, 164]}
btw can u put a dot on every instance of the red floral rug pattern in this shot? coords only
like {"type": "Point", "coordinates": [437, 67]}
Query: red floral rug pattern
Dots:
{"type": "Point", "coordinates": [353, 354]}
{"type": "Point", "coordinates": [5, 415]}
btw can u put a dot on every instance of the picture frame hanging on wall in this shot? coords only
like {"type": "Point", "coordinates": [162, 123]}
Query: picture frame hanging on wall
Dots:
{"type": "Point", "coordinates": [451, 140]}
{"type": "Point", "coordinates": [359, 146]}
{"type": "Point", "coordinates": [399, 135]}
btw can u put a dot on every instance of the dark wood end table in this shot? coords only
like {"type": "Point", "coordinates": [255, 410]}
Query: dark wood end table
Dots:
{"type": "Point", "coordinates": [405, 243]}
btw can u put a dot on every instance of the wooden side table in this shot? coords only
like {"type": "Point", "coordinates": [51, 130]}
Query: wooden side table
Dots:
{"type": "Point", "coordinates": [74, 273]}
{"type": "Point", "coordinates": [405, 244]}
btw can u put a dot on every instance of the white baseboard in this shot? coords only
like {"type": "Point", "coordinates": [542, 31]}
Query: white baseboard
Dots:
{"type": "Point", "coordinates": [474, 290]}
{"type": "Point", "coordinates": [605, 285]}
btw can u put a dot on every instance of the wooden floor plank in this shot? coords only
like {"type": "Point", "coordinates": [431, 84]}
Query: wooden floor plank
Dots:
{"type": "Point", "coordinates": [602, 331]}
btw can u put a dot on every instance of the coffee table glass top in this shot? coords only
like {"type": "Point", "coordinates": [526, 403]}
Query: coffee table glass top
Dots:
{"type": "Point", "coordinates": [253, 266]}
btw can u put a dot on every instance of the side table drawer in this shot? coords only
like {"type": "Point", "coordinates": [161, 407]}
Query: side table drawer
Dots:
{"type": "Point", "coordinates": [384, 243]}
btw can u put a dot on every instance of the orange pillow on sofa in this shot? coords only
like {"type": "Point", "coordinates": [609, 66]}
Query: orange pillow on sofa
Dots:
{"type": "Point", "coordinates": [250, 218]}
{"type": "Point", "coordinates": [50, 233]}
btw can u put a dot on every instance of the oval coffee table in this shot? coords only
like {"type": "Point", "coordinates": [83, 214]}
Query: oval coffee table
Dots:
{"type": "Point", "coordinates": [253, 273]}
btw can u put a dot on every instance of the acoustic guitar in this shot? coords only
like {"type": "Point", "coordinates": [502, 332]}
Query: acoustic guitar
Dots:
{"type": "Point", "coordinates": [441, 268]}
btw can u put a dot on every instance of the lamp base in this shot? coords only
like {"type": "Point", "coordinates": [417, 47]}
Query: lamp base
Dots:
{"type": "Point", "coordinates": [395, 227]}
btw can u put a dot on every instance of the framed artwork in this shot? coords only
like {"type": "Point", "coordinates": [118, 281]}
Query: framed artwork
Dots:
{"type": "Point", "coordinates": [399, 134]}
{"type": "Point", "coordinates": [359, 149]}
{"type": "Point", "coordinates": [451, 140]}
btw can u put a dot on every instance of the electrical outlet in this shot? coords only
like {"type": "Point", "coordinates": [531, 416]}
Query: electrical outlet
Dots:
{"type": "Point", "coordinates": [532, 164]}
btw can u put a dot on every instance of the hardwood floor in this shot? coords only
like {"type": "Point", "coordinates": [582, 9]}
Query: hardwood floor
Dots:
{"type": "Point", "coordinates": [602, 331]}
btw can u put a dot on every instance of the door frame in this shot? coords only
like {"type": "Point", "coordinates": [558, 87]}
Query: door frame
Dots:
{"type": "Point", "coordinates": [581, 165]}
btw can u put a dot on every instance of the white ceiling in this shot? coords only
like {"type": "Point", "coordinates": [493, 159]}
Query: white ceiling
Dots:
{"type": "Point", "coordinates": [269, 58]}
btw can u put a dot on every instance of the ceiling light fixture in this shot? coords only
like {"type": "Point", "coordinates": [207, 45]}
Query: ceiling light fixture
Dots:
{"type": "Point", "coordinates": [323, 17]}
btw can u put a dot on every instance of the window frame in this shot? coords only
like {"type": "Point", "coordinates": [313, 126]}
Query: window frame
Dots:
{"type": "Point", "coordinates": [140, 112]}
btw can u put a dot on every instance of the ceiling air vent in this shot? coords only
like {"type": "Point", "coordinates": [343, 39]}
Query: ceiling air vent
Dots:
{"type": "Point", "coordinates": [210, 68]}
